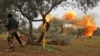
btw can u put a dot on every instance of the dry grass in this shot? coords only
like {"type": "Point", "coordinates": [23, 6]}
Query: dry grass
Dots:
{"type": "Point", "coordinates": [78, 47]}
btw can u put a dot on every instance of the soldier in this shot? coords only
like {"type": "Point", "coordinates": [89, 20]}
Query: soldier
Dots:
{"type": "Point", "coordinates": [79, 33]}
{"type": "Point", "coordinates": [12, 25]}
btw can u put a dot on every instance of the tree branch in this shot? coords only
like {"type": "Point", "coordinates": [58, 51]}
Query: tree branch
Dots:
{"type": "Point", "coordinates": [38, 20]}
{"type": "Point", "coordinates": [22, 11]}
{"type": "Point", "coordinates": [41, 7]}
{"type": "Point", "coordinates": [54, 6]}
{"type": "Point", "coordinates": [32, 9]}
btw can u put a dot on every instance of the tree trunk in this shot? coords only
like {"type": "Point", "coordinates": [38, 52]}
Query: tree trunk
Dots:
{"type": "Point", "coordinates": [30, 41]}
{"type": "Point", "coordinates": [43, 33]}
{"type": "Point", "coordinates": [41, 37]}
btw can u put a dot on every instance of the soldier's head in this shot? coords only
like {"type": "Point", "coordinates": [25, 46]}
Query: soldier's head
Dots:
{"type": "Point", "coordinates": [9, 16]}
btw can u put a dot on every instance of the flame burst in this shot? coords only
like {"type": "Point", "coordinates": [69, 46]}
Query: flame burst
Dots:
{"type": "Point", "coordinates": [70, 15]}
{"type": "Point", "coordinates": [88, 24]}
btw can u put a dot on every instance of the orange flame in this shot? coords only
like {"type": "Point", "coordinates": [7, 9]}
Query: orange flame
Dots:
{"type": "Point", "coordinates": [70, 15]}
{"type": "Point", "coordinates": [89, 30]}
{"type": "Point", "coordinates": [88, 24]}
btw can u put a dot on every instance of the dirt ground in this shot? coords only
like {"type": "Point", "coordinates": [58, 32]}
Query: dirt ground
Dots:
{"type": "Point", "coordinates": [78, 47]}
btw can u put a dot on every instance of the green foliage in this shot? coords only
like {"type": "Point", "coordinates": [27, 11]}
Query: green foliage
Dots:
{"type": "Point", "coordinates": [2, 29]}
{"type": "Point", "coordinates": [85, 5]}
{"type": "Point", "coordinates": [43, 6]}
{"type": "Point", "coordinates": [55, 24]}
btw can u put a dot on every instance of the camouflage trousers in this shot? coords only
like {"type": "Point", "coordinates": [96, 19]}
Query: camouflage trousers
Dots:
{"type": "Point", "coordinates": [11, 35]}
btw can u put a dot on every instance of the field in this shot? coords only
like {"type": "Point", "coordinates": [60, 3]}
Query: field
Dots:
{"type": "Point", "coordinates": [78, 47]}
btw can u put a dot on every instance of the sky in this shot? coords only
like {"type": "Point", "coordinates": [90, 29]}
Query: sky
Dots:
{"type": "Point", "coordinates": [59, 12]}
